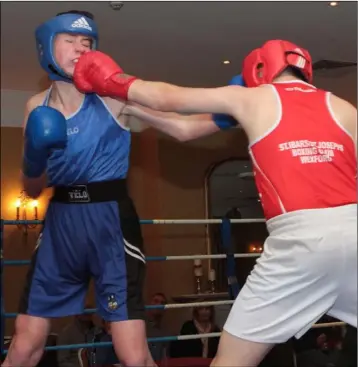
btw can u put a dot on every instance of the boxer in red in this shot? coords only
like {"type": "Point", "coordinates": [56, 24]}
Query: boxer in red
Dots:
{"type": "Point", "coordinates": [302, 145]}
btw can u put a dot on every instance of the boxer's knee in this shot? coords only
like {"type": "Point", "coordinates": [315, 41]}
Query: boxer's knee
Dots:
{"type": "Point", "coordinates": [130, 343]}
{"type": "Point", "coordinates": [28, 342]}
{"type": "Point", "coordinates": [135, 360]}
{"type": "Point", "coordinates": [23, 352]}
{"type": "Point", "coordinates": [135, 356]}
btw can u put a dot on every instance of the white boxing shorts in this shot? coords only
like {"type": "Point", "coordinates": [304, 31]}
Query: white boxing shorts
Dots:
{"type": "Point", "coordinates": [308, 268]}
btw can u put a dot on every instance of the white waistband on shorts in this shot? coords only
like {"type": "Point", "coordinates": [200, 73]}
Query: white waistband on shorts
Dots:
{"type": "Point", "coordinates": [312, 218]}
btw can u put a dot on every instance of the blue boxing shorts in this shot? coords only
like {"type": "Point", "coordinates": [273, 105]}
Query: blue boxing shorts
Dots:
{"type": "Point", "coordinates": [90, 231]}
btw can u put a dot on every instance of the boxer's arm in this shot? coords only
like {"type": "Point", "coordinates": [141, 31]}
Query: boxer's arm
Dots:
{"type": "Point", "coordinates": [180, 127]}
{"type": "Point", "coordinates": [97, 72]}
{"type": "Point", "coordinates": [230, 100]}
{"type": "Point", "coordinates": [33, 186]}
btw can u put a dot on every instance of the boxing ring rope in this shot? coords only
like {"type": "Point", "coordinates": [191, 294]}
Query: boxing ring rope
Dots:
{"type": "Point", "coordinates": [158, 221]}
{"type": "Point", "coordinates": [157, 307]}
{"type": "Point", "coordinates": [161, 339]}
{"type": "Point", "coordinates": [153, 258]}
{"type": "Point", "coordinates": [225, 237]}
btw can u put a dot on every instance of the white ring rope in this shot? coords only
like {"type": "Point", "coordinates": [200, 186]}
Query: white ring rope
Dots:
{"type": "Point", "coordinates": [199, 304]}
{"type": "Point", "coordinates": [202, 257]}
{"type": "Point", "coordinates": [159, 258]}
{"type": "Point", "coordinates": [328, 324]}
{"type": "Point", "coordinates": [205, 221]}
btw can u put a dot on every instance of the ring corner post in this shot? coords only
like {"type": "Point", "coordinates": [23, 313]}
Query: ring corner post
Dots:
{"type": "Point", "coordinates": [2, 316]}
{"type": "Point", "coordinates": [233, 286]}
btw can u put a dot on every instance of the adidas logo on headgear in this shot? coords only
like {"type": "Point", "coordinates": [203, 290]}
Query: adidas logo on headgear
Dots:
{"type": "Point", "coordinates": [81, 23]}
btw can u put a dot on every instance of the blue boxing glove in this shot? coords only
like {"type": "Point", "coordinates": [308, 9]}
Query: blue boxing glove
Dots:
{"type": "Point", "coordinates": [223, 121]}
{"type": "Point", "coordinates": [46, 129]}
{"type": "Point", "coordinates": [237, 80]}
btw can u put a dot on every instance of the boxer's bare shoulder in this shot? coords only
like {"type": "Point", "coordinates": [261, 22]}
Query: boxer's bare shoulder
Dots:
{"type": "Point", "coordinates": [116, 106]}
{"type": "Point", "coordinates": [37, 99]}
{"type": "Point", "coordinates": [258, 111]}
{"type": "Point", "coordinates": [33, 102]}
{"type": "Point", "coordinates": [344, 114]}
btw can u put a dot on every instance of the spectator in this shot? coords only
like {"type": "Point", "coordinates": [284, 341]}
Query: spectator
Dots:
{"type": "Point", "coordinates": [348, 356]}
{"type": "Point", "coordinates": [203, 322]}
{"type": "Point", "coordinates": [106, 356]}
{"type": "Point", "coordinates": [103, 356]}
{"type": "Point", "coordinates": [324, 354]}
{"type": "Point", "coordinates": [76, 332]}
{"type": "Point", "coordinates": [154, 327]}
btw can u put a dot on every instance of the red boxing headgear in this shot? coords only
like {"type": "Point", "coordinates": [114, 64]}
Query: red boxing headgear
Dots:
{"type": "Point", "coordinates": [263, 65]}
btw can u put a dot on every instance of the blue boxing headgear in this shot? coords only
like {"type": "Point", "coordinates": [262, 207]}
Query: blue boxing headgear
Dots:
{"type": "Point", "coordinates": [45, 35]}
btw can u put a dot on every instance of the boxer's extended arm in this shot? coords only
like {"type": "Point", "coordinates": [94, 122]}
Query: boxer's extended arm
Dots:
{"type": "Point", "coordinates": [97, 72]}
{"type": "Point", "coordinates": [171, 98]}
{"type": "Point", "coordinates": [251, 107]}
{"type": "Point", "coordinates": [180, 127]}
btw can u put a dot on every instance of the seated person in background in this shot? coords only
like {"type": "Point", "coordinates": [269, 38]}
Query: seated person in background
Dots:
{"type": "Point", "coordinates": [103, 356]}
{"type": "Point", "coordinates": [77, 332]}
{"type": "Point", "coordinates": [203, 322]}
{"type": "Point", "coordinates": [325, 352]}
{"type": "Point", "coordinates": [348, 355]}
{"type": "Point", "coordinates": [154, 326]}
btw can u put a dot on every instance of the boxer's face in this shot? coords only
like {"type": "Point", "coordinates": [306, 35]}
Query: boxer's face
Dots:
{"type": "Point", "coordinates": [68, 48]}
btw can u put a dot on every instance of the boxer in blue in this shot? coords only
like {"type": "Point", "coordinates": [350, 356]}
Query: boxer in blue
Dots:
{"type": "Point", "coordinates": [76, 144]}
{"type": "Point", "coordinates": [79, 144]}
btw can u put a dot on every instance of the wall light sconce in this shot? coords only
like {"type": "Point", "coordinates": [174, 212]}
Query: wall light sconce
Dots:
{"type": "Point", "coordinates": [255, 248]}
{"type": "Point", "coordinates": [24, 205]}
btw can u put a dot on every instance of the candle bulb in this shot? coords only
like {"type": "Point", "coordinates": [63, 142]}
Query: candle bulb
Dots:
{"type": "Point", "coordinates": [198, 272]}
{"type": "Point", "coordinates": [34, 205]}
{"type": "Point", "coordinates": [212, 275]}
{"type": "Point", "coordinates": [198, 269]}
{"type": "Point", "coordinates": [212, 278]}
{"type": "Point", "coordinates": [17, 204]}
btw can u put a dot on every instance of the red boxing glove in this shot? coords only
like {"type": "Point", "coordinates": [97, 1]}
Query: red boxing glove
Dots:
{"type": "Point", "coordinates": [96, 72]}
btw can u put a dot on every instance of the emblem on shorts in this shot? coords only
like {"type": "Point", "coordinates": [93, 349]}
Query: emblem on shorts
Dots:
{"type": "Point", "coordinates": [112, 302]}
{"type": "Point", "coordinates": [79, 194]}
